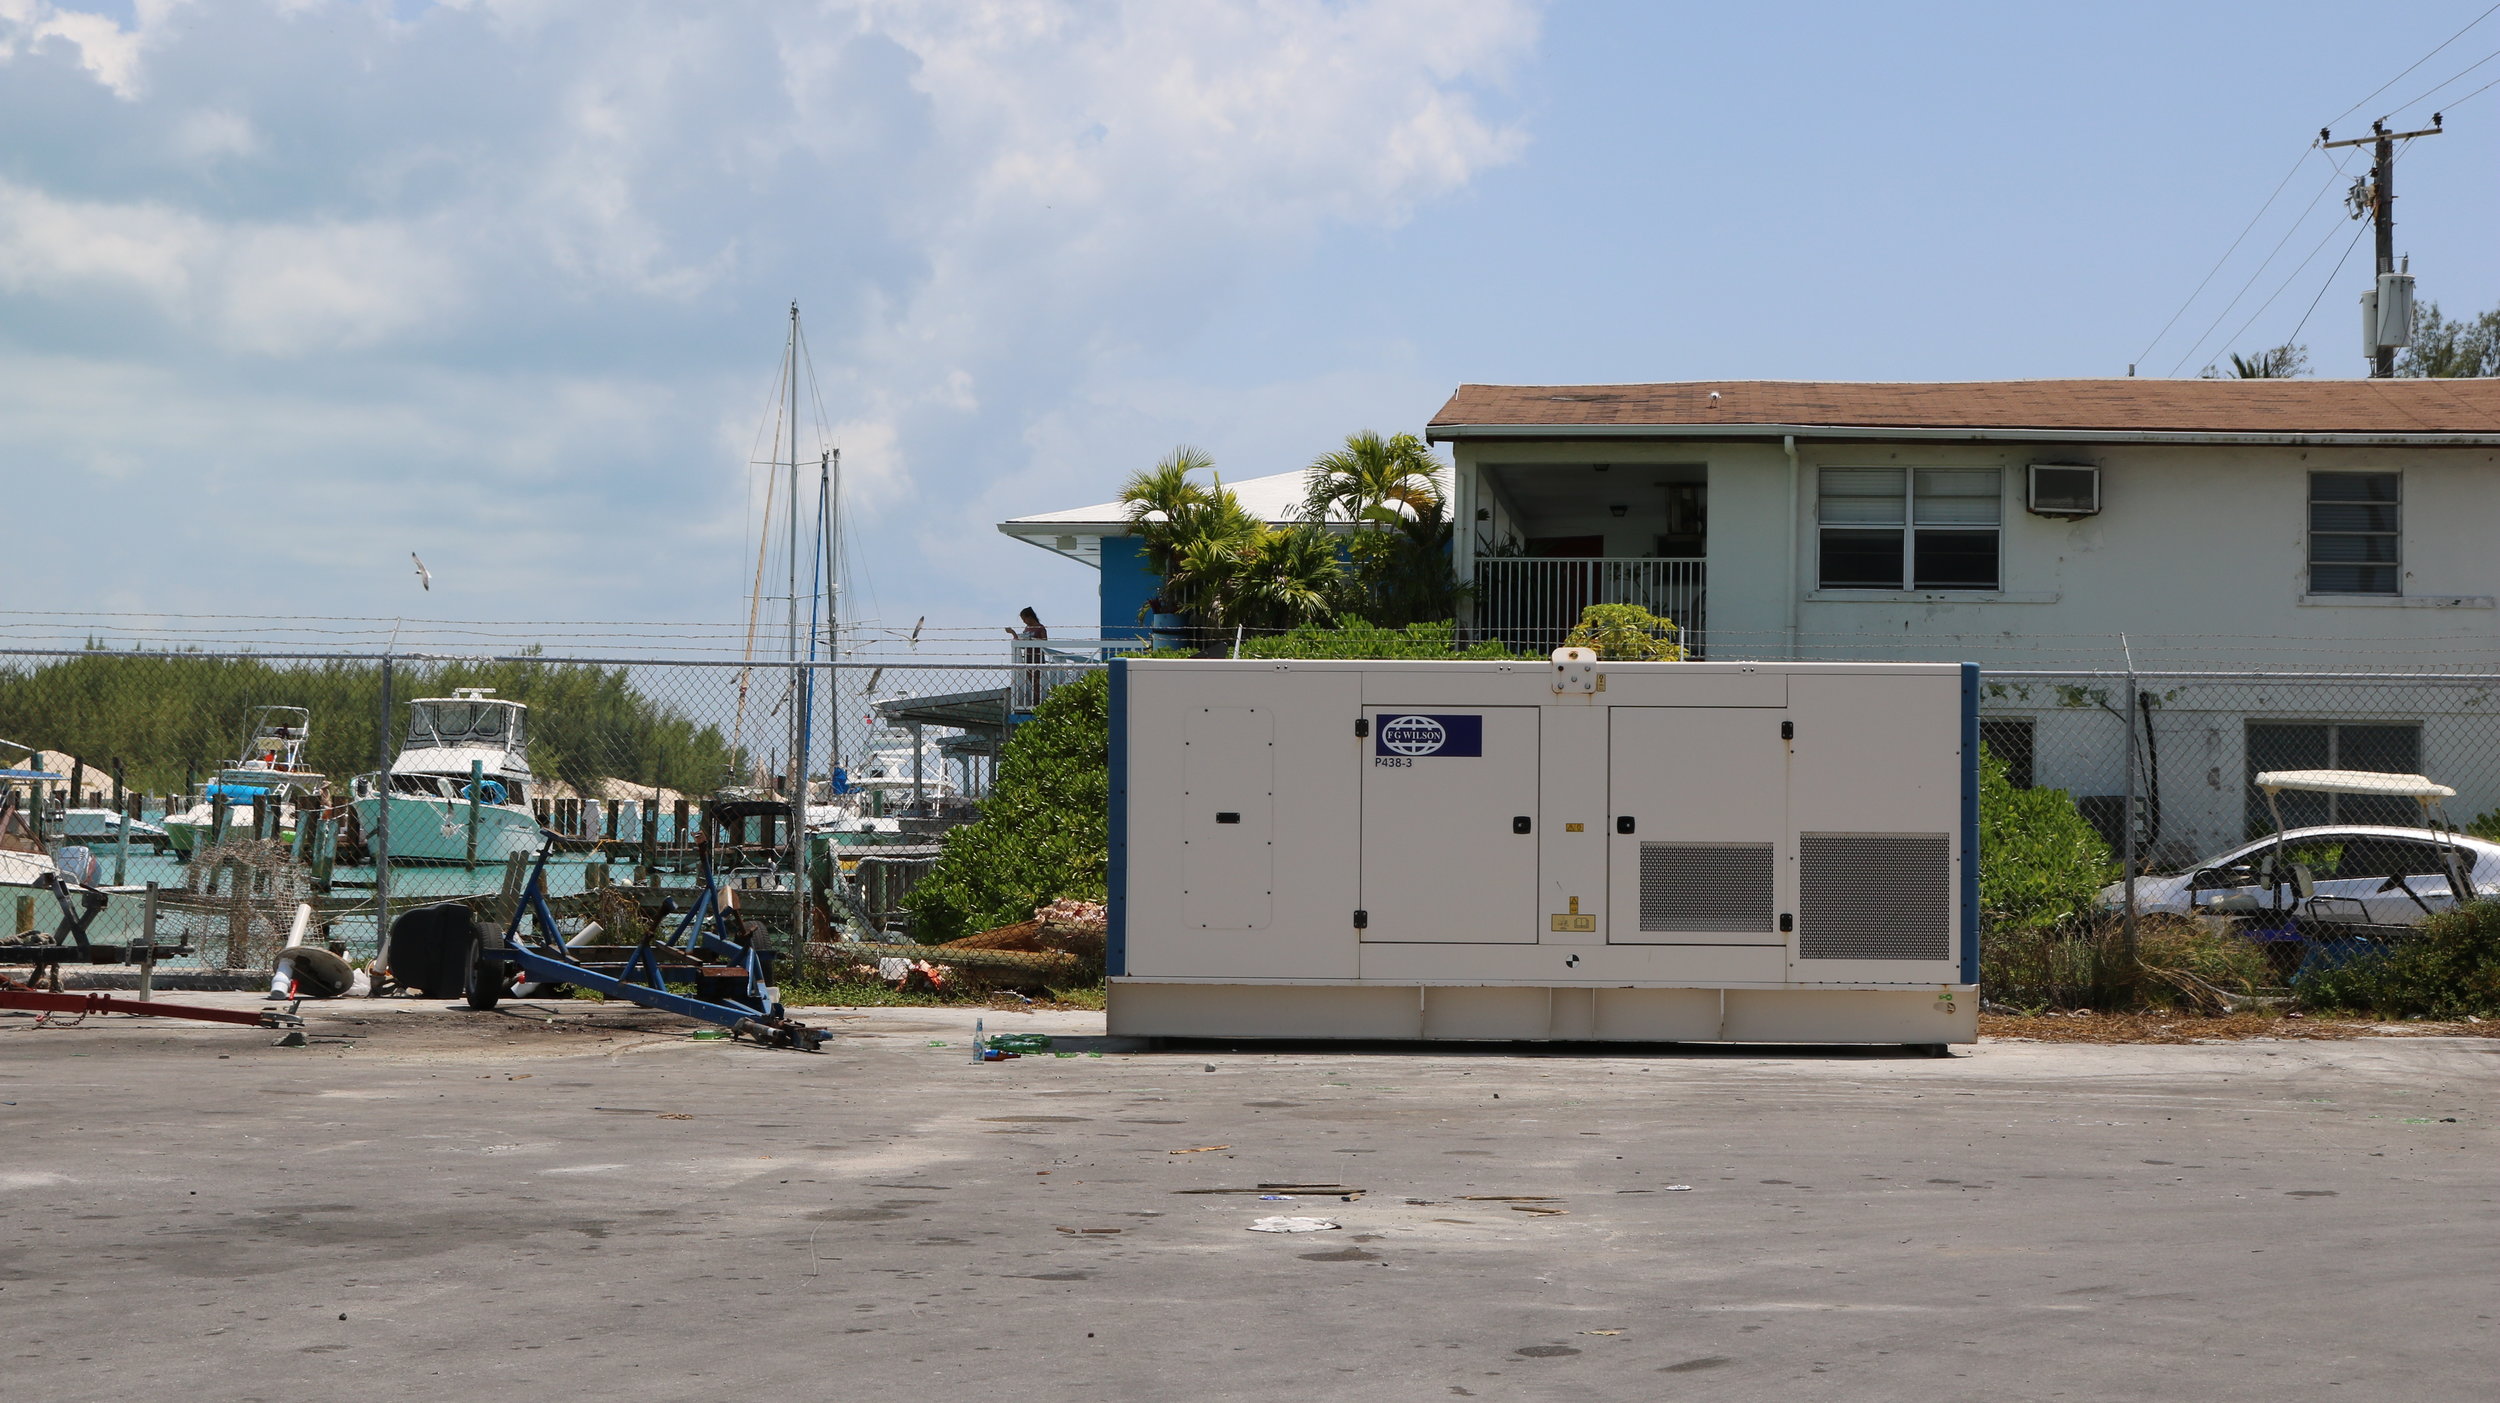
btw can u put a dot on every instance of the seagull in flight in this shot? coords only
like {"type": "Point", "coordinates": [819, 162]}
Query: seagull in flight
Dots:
{"type": "Point", "coordinates": [425, 577]}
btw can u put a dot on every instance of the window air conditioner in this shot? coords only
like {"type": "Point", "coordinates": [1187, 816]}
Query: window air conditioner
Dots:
{"type": "Point", "coordinates": [2065, 489]}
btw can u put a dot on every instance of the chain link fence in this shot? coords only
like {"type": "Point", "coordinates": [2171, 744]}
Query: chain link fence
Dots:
{"type": "Point", "coordinates": [211, 795]}
{"type": "Point", "coordinates": [166, 771]}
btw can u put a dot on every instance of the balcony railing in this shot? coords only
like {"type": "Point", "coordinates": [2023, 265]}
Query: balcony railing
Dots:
{"type": "Point", "coordinates": [1531, 602]}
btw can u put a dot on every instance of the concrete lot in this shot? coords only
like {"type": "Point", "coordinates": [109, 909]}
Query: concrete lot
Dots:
{"type": "Point", "coordinates": [487, 1206]}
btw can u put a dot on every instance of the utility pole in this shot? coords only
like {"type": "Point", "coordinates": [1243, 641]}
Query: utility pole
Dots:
{"type": "Point", "coordinates": [2382, 206]}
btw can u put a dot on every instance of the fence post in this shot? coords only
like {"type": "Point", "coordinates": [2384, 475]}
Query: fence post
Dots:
{"type": "Point", "coordinates": [2126, 842]}
{"type": "Point", "coordinates": [477, 780]}
{"type": "Point", "coordinates": [125, 811]}
{"type": "Point", "coordinates": [380, 841]}
{"type": "Point", "coordinates": [147, 941]}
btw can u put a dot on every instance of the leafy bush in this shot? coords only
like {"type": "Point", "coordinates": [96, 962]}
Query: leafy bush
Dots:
{"type": "Point", "coordinates": [1626, 633]}
{"type": "Point", "coordinates": [2040, 863]}
{"type": "Point", "coordinates": [1044, 831]}
{"type": "Point", "coordinates": [2449, 970]}
{"type": "Point", "coordinates": [1357, 639]}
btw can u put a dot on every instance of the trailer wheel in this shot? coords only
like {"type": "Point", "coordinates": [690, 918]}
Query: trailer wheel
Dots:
{"type": "Point", "coordinates": [486, 978]}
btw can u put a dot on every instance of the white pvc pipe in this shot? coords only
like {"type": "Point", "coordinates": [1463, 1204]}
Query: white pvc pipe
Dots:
{"type": "Point", "coordinates": [282, 978]}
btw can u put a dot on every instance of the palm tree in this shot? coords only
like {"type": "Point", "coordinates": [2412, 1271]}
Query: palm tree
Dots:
{"type": "Point", "coordinates": [1375, 480]}
{"type": "Point", "coordinates": [1294, 578]}
{"type": "Point", "coordinates": [1163, 500]}
{"type": "Point", "coordinates": [1391, 489]}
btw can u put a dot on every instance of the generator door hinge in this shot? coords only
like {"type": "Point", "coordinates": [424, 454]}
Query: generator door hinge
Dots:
{"type": "Point", "coordinates": [1788, 730]}
{"type": "Point", "coordinates": [1362, 727]}
{"type": "Point", "coordinates": [1362, 919]}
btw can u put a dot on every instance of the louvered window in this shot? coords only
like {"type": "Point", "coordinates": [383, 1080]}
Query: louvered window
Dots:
{"type": "Point", "coordinates": [1910, 528]}
{"type": "Point", "coordinates": [2355, 535]}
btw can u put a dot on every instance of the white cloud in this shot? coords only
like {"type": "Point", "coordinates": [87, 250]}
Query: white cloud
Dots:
{"type": "Point", "coordinates": [272, 289]}
{"type": "Point", "coordinates": [212, 132]}
{"type": "Point", "coordinates": [996, 211]}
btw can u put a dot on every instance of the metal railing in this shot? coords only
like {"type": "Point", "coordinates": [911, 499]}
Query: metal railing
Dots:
{"type": "Point", "coordinates": [1532, 601]}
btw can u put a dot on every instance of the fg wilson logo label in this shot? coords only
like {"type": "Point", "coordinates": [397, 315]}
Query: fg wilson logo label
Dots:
{"type": "Point", "coordinates": [1415, 736]}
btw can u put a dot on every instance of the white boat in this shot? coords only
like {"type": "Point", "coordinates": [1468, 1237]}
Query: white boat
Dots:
{"type": "Point", "coordinates": [452, 741]}
{"type": "Point", "coordinates": [270, 769]}
{"type": "Point", "coordinates": [886, 764]}
{"type": "Point", "coordinates": [23, 861]}
{"type": "Point", "coordinates": [103, 828]}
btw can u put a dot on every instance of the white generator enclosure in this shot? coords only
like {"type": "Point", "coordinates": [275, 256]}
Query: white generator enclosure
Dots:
{"type": "Point", "coordinates": [1736, 852]}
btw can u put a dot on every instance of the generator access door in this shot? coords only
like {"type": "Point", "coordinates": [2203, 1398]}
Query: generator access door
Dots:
{"type": "Point", "coordinates": [1450, 825]}
{"type": "Point", "coordinates": [1698, 804]}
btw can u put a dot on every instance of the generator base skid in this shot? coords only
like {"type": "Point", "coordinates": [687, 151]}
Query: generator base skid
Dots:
{"type": "Point", "coordinates": [1564, 849]}
{"type": "Point", "coordinates": [1144, 1008]}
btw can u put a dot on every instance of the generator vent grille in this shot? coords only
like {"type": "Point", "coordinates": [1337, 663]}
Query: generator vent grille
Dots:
{"type": "Point", "coordinates": [1706, 886]}
{"type": "Point", "coordinates": [1874, 896]}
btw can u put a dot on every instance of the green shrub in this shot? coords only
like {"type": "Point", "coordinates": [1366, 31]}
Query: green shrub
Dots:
{"type": "Point", "coordinates": [1626, 633]}
{"type": "Point", "coordinates": [2040, 863]}
{"type": "Point", "coordinates": [1355, 638]}
{"type": "Point", "coordinates": [2449, 970]}
{"type": "Point", "coordinates": [1044, 831]}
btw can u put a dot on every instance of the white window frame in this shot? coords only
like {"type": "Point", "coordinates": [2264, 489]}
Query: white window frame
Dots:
{"type": "Point", "coordinates": [1908, 528]}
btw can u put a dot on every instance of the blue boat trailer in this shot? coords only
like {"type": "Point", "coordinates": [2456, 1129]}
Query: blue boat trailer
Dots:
{"type": "Point", "coordinates": [731, 978]}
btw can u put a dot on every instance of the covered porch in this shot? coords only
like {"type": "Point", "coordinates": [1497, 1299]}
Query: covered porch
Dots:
{"type": "Point", "coordinates": [1550, 539]}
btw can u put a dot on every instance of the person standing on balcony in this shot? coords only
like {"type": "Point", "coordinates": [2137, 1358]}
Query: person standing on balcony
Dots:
{"type": "Point", "coordinates": [1027, 681]}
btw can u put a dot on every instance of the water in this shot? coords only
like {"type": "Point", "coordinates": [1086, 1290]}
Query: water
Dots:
{"type": "Point", "coordinates": [120, 922]}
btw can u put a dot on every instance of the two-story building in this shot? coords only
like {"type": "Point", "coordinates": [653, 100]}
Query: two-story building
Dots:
{"type": "Point", "coordinates": [2253, 526]}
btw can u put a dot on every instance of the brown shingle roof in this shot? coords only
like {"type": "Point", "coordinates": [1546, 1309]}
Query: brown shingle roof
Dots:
{"type": "Point", "coordinates": [2467, 408]}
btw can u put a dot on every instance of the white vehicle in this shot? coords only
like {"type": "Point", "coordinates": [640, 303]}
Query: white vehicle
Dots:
{"type": "Point", "coordinates": [453, 741]}
{"type": "Point", "coordinates": [2355, 874]}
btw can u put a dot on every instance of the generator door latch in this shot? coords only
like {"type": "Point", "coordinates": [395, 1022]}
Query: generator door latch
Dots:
{"type": "Point", "coordinates": [1521, 824]}
{"type": "Point", "coordinates": [1228, 818]}
{"type": "Point", "coordinates": [1623, 823]}
{"type": "Point", "coordinates": [1362, 727]}
{"type": "Point", "coordinates": [1788, 730]}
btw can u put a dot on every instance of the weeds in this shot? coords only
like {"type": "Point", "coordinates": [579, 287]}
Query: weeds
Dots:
{"type": "Point", "coordinates": [2180, 964]}
{"type": "Point", "coordinates": [2451, 969]}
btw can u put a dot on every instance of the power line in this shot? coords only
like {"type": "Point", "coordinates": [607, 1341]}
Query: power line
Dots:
{"type": "Point", "coordinates": [2444, 43]}
{"type": "Point", "coordinates": [2435, 87]}
{"type": "Point", "coordinates": [2285, 285]}
{"type": "Point", "coordinates": [2297, 162]}
{"type": "Point", "coordinates": [2330, 280]}
{"type": "Point", "coordinates": [2271, 255]}
{"type": "Point", "coordinates": [2478, 92]}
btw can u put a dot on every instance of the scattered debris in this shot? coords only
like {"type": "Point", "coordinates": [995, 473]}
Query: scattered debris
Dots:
{"type": "Point", "coordinates": [1509, 1198]}
{"type": "Point", "coordinates": [1676, 1189]}
{"type": "Point", "coordinates": [1201, 1149]}
{"type": "Point", "coordinates": [1293, 1225]}
{"type": "Point", "coordinates": [1532, 1208]}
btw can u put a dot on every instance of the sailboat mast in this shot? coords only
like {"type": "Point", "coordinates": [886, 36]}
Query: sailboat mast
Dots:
{"type": "Point", "coordinates": [796, 789]}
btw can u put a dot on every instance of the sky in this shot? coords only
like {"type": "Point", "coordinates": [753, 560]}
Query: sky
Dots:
{"type": "Point", "coordinates": [293, 289]}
